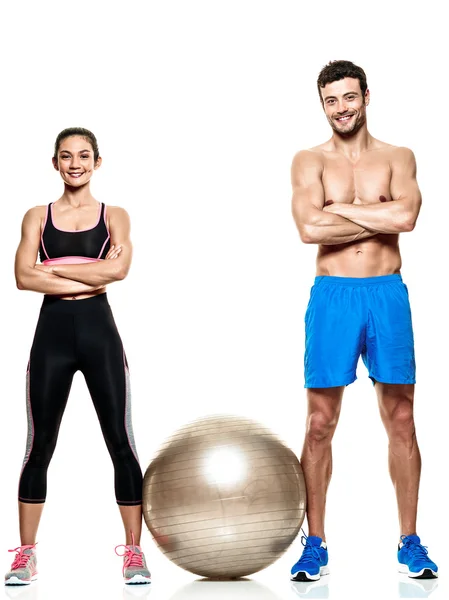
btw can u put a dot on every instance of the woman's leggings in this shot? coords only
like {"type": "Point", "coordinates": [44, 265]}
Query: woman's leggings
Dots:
{"type": "Point", "coordinates": [78, 335]}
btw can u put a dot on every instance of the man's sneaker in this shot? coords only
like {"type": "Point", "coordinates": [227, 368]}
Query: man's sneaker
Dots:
{"type": "Point", "coordinates": [414, 560]}
{"type": "Point", "coordinates": [134, 564]}
{"type": "Point", "coordinates": [313, 561]}
{"type": "Point", "coordinates": [23, 569]}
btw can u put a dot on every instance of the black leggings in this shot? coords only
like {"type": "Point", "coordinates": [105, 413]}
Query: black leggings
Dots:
{"type": "Point", "coordinates": [74, 335]}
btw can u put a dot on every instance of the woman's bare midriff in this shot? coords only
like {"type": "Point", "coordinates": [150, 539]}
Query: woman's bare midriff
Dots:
{"type": "Point", "coordinates": [84, 296]}
{"type": "Point", "coordinates": [372, 257]}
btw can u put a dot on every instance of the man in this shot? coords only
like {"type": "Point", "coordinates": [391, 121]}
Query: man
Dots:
{"type": "Point", "coordinates": [354, 195]}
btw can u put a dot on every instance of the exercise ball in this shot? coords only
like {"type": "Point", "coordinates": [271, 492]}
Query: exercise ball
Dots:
{"type": "Point", "coordinates": [224, 497]}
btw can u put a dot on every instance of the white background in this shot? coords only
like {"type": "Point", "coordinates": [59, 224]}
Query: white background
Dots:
{"type": "Point", "coordinates": [199, 108]}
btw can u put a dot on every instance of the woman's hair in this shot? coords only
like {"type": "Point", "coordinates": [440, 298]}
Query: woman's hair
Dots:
{"type": "Point", "coordinates": [79, 131]}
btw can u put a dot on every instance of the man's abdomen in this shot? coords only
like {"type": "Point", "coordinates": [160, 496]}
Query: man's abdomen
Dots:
{"type": "Point", "coordinates": [368, 258]}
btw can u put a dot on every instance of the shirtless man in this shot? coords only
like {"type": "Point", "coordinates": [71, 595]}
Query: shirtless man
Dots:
{"type": "Point", "coordinates": [354, 195]}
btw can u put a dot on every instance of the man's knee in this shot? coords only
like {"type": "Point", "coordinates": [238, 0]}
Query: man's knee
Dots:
{"type": "Point", "coordinates": [321, 426]}
{"type": "Point", "coordinates": [400, 423]}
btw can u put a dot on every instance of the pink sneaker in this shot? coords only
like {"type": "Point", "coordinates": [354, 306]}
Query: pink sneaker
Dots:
{"type": "Point", "coordinates": [23, 569]}
{"type": "Point", "coordinates": [135, 569]}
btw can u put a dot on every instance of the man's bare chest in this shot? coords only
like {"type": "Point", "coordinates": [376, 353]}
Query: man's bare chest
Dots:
{"type": "Point", "coordinates": [365, 182]}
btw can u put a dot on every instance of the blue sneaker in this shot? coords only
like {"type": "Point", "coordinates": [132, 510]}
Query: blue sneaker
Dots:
{"type": "Point", "coordinates": [413, 559]}
{"type": "Point", "coordinates": [313, 561]}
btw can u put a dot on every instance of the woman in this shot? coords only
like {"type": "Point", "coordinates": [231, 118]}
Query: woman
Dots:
{"type": "Point", "coordinates": [83, 247]}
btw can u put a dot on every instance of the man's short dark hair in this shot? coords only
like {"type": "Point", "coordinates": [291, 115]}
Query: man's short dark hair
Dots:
{"type": "Point", "coordinates": [339, 69]}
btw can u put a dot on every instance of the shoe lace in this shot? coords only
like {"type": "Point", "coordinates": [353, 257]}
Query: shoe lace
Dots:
{"type": "Point", "coordinates": [309, 550]}
{"type": "Point", "coordinates": [415, 550]}
{"type": "Point", "coordinates": [131, 557]}
{"type": "Point", "coordinates": [21, 559]}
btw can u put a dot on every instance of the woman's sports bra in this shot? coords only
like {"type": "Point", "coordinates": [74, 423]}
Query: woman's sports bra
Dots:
{"type": "Point", "coordinates": [61, 246]}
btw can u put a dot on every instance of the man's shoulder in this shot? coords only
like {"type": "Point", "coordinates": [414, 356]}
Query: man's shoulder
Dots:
{"type": "Point", "coordinates": [394, 151]}
{"type": "Point", "coordinates": [402, 152]}
{"type": "Point", "coordinates": [309, 156]}
{"type": "Point", "coordinates": [400, 157]}
{"type": "Point", "coordinates": [317, 150]}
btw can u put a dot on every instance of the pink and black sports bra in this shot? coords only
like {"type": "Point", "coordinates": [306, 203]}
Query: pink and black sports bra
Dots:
{"type": "Point", "coordinates": [68, 246]}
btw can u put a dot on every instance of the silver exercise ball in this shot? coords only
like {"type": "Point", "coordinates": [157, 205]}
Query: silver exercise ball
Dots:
{"type": "Point", "coordinates": [224, 497]}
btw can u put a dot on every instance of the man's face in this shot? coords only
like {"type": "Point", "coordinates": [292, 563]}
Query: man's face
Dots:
{"type": "Point", "coordinates": [345, 106]}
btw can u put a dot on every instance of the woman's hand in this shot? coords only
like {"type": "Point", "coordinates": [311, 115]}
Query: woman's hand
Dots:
{"type": "Point", "coordinates": [44, 268]}
{"type": "Point", "coordinates": [114, 251]}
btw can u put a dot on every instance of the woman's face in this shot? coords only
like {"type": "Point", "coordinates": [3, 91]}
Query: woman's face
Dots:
{"type": "Point", "coordinates": [75, 161]}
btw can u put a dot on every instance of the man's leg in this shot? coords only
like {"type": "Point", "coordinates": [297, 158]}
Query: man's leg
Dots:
{"type": "Point", "coordinates": [396, 410]}
{"type": "Point", "coordinates": [335, 326]}
{"type": "Point", "coordinates": [324, 405]}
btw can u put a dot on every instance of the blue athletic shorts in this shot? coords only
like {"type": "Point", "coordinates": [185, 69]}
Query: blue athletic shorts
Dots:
{"type": "Point", "coordinates": [349, 316]}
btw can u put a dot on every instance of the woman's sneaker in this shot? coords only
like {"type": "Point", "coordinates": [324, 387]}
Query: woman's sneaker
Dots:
{"type": "Point", "coordinates": [135, 569]}
{"type": "Point", "coordinates": [313, 561]}
{"type": "Point", "coordinates": [24, 567]}
{"type": "Point", "coordinates": [414, 560]}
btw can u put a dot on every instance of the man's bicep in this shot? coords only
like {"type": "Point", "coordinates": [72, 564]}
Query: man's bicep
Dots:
{"type": "Point", "coordinates": [404, 184]}
{"type": "Point", "coordinates": [307, 186]}
{"type": "Point", "coordinates": [306, 202]}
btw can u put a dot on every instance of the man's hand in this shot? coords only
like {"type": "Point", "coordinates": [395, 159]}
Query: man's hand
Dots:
{"type": "Point", "coordinates": [333, 207]}
{"type": "Point", "coordinates": [328, 206]}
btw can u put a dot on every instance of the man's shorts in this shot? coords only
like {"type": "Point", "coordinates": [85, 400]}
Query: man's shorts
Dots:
{"type": "Point", "coordinates": [349, 316]}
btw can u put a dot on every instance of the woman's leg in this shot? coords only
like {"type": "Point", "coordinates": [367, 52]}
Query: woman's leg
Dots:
{"type": "Point", "coordinates": [29, 519]}
{"type": "Point", "coordinates": [49, 378]}
{"type": "Point", "coordinates": [106, 371]}
{"type": "Point", "coordinates": [132, 522]}
{"type": "Point", "coordinates": [104, 365]}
